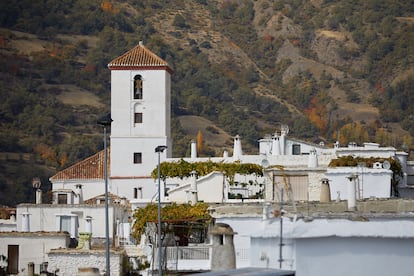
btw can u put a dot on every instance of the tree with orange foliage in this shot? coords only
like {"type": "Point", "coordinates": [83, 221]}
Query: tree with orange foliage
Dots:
{"type": "Point", "coordinates": [268, 38]}
{"type": "Point", "coordinates": [107, 6]}
{"type": "Point", "coordinates": [317, 114]}
{"type": "Point", "coordinates": [199, 142]}
{"type": "Point", "coordinates": [50, 155]}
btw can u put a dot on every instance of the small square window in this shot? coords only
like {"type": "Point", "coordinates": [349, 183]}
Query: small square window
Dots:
{"type": "Point", "coordinates": [296, 149]}
{"type": "Point", "coordinates": [137, 157]}
{"type": "Point", "coordinates": [138, 118]}
{"type": "Point", "coordinates": [62, 199]}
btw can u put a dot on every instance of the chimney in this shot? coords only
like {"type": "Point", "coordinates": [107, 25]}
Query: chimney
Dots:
{"type": "Point", "coordinates": [266, 213]}
{"type": "Point", "coordinates": [38, 196]}
{"type": "Point", "coordinates": [78, 194]}
{"type": "Point", "coordinates": [193, 190]}
{"type": "Point", "coordinates": [13, 216]}
{"type": "Point", "coordinates": [312, 159]}
{"type": "Point", "coordinates": [36, 183]}
{"type": "Point", "coordinates": [282, 141]}
{"type": "Point", "coordinates": [275, 145]}
{"type": "Point", "coordinates": [193, 149]}
{"type": "Point", "coordinates": [225, 154]}
{"type": "Point", "coordinates": [25, 222]}
{"type": "Point", "coordinates": [325, 191]}
{"type": "Point", "coordinates": [223, 255]}
{"type": "Point", "coordinates": [352, 192]}
{"type": "Point", "coordinates": [88, 224]}
{"type": "Point", "coordinates": [123, 201]}
{"type": "Point", "coordinates": [237, 149]}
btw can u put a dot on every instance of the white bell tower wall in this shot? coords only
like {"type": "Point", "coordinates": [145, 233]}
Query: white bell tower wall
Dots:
{"type": "Point", "coordinates": [139, 125]}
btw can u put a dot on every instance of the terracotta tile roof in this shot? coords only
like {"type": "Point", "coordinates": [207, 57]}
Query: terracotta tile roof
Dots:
{"type": "Point", "coordinates": [139, 57]}
{"type": "Point", "coordinates": [89, 168]}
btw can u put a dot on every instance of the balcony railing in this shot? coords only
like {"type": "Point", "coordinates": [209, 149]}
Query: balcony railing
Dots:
{"type": "Point", "coordinates": [185, 257]}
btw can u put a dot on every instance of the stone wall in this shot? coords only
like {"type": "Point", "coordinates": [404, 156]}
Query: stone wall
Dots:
{"type": "Point", "coordinates": [69, 261]}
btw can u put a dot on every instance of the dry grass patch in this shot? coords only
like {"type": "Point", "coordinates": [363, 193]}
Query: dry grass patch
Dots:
{"type": "Point", "coordinates": [336, 35]}
{"type": "Point", "coordinates": [212, 135]}
{"type": "Point", "coordinates": [75, 96]}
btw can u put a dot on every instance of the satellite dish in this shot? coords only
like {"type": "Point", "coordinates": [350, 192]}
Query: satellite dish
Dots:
{"type": "Point", "coordinates": [386, 165]}
{"type": "Point", "coordinates": [265, 163]}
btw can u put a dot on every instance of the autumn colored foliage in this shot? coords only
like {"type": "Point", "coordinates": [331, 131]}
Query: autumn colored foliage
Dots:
{"type": "Point", "coordinates": [317, 114]}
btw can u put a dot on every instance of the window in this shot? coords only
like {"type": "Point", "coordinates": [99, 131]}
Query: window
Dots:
{"type": "Point", "coordinates": [138, 118]}
{"type": "Point", "coordinates": [138, 87]}
{"type": "Point", "coordinates": [298, 183]}
{"type": "Point", "coordinates": [221, 239]}
{"type": "Point", "coordinates": [62, 198]}
{"type": "Point", "coordinates": [67, 223]}
{"type": "Point", "coordinates": [64, 224]}
{"type": "Point", "coordinates": [296, 149]}
{"type": "Point", "coordinates": [137, 157]}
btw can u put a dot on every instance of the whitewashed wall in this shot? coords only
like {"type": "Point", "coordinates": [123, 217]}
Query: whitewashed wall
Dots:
{"type": "Point", "coordinates": [333, 247]}
{"type": "Point", "coordinates": [8, 225]}
{"type": "Point", "coordinates": [127, 137]}
{"type": "Point", "coordinates": [210, 189]}
{"type": "Point", "coordinates": [42, 217]}
{"type": "Point", "coordinates": [125, 187]}
{"type": "Point", "coordinates": [372, 182]}
{"type": "Point", "coordinates": [90, 188]}
{"type": "Point", "coordinates": [32, 247]}
{"type": "Point", "coordinates": [335, 256]}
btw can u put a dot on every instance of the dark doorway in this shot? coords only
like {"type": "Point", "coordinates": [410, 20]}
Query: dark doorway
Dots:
{"type": "Point", "coordinates": [13, 258]}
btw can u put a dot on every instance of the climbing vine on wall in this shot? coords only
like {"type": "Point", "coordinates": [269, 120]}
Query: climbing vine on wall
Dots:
{"type": "Point", "coordinates": [172, 212]}
{"type": "Point", "coordinates": [350, 161]}
{"type": "Point", "coordinates": [183, 169]}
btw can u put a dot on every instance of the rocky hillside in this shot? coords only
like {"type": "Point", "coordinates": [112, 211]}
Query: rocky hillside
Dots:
{"type": "Point", "coordinates": [241, 67]}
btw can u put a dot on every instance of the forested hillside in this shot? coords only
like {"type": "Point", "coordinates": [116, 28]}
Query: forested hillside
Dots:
{"type": "Point", "coordinates": [240, 67]}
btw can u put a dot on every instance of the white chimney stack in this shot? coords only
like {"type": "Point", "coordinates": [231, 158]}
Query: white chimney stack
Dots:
{"type": "Point", "coordinates": [193, 191]}
{"type": "Point", "coordinates": [193, 149]}
{"type": "Point", "coordinates": [275, 145]}
{"type": "Point", "coordinates": [25, 222]}
{"type": "Point", "coordinates": [312, 159]}
{"type": "Point", "coordinates": [36, 183]}
{"type": "Point", "coordinates": [237, 148]}
{"type": "Point", "coordinates": [282, 141]}
{"type": "Point", "coordinates": [38, 196]}
{"type": "Point", "coordinates": [88, 224]}
{"type": "Point", "coordinates": [266, 213]}
{"type": "Point", "coordinates": [352, 192]}
{"type": "Point", "coordinates": [78, 194]}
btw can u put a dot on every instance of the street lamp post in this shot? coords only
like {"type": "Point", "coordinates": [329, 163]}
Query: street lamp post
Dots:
{"type": "Point", "coordinates": [158, 150]}
{"type": "Point", "coordinates": [106, 122]}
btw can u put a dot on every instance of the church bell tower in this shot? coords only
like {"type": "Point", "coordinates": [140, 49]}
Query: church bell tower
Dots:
{"type": "Point", "coordinates": [141, 112]}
